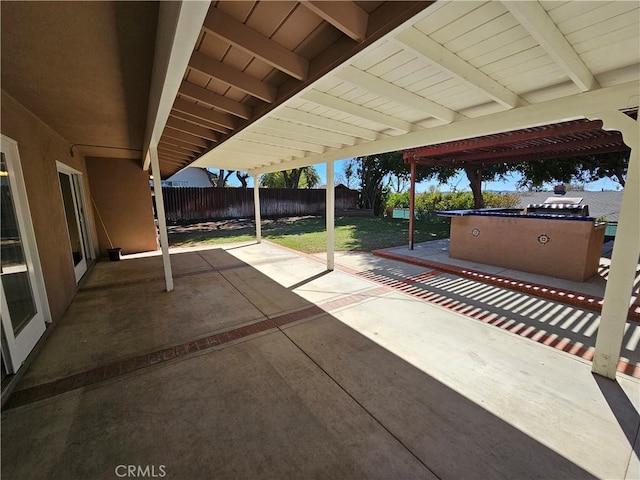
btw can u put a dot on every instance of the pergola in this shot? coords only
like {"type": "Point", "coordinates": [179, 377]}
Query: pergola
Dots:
{"type": "Point", "coordinates": [263, 86]}
{"type": "Point", "coordinates": [576, 138]}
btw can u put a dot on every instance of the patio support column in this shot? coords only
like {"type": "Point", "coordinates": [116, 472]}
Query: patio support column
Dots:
{"type": "Point", "coordinates": [256, 206]}
{"type": "Point", "coordinates": [412, 204]}
{"type": "Point", "coordinates": [626, 250]}
{"type": "Point", "coordinates": [162, 221]}
{"type": "Point", "coordinates": [330, 213]}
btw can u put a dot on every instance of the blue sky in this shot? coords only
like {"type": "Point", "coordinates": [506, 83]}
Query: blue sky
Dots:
{"type": "Point", "coordinates": [460, 182]}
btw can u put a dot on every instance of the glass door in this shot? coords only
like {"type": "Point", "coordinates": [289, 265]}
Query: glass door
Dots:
{"type": "Point", "coordinates": [24, 306]}
{"type": "Point", "coordinates": [73, 199]}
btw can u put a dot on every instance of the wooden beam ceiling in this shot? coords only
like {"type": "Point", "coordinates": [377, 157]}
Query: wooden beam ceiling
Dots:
{"type": "Point", "coordinates": [345, 15]}
{"type": "Point", "coordinates": [232, 77]}
{"type": "Point", "coordinates": [184, 137]}
{"type": "Point", "coordinates": [215, 100]}
{"type": "Point", "coordinates": [393, 92]}
{"type": "Point", "coordinates": [191, 129]}
{"type": "Point", "coordinates": [533, 17]}
{"type": "Point", "coordinates": [217, 118]}
{"type": "Point", "coordinates": [424, 46]}
{"type": "Point", "coordinates": [356, 110]}
{"type": "Point", "coordinates": [254, 43]}
{"type": "Point", "coordinates": [218, 70]}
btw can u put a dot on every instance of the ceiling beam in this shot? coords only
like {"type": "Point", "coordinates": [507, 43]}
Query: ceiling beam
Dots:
{"type": "Point", "coordinates": [172, 156]}
{"type": "Point", "coordinates": [221, 119]}
{"type": "Point", "coordinates": [178, 30]}
{"type": "Point", "coordinates": [185, 137]}
{"type": "Point", "coordinates": [311, 134]}
{"type": "Point", "coordinates": [198, 121]}
{"type": "Point", "coordinates": [286, 142]}
{"type": "Point", "coordinates": [215, 100]}
{"type": "Point", "coordinates": [177, 150]}
{"type": "Point", "coordinates": [588, 104]}
{"type": "Point", "coordinates": [359, 111]}
{"type": "Point", "coordinates": [310, 119]}
{"type": "Point", "coordinates": [423, 46]}
{"type": "Point", "coordinates": [398, 94]}
{"type": "Point", "coordinates": [179, 143]}
{"type": "Point", "coordinates": [508, 138]}
{"type": "Point", "coordinates": [345, 15]}
{"type": "Point", "coordinates": [177, 153]}
{"type": "Point", "coordinates": [229, 29]}
{"type": "Point", "coordinates": [262, 149]}
{"type": "Point", "coordinates": [192, 129]}
{"type": "Point", "coordinates": [232, 77]}
{"type": "Point", "coordinates": [534, 18]}
{"type": "Point", "coordinates": [273, 131]}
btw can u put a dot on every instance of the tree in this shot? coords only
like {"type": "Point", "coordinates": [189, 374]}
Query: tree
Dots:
{"type": "Point", "coordinates": [583, 169]}
{"type": "Point", "coordinates": [219, 180]}
{"type": "Point", "coordinates": [306, 177]}
{"type": "Point", "coordinates": [242, 178]}
{"type": "Point", "coordinates": [348, 172]}
{"type": "Point", "coordinates": [310, 177]}
{"type": "Point", "coordinates": [375, 172]}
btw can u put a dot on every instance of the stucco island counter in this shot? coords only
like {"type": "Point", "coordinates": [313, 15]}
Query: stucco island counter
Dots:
{"type": "Point", "coordinates": [562, 246]}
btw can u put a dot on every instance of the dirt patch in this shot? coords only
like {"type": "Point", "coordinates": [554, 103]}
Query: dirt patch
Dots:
{"type": "Point", "coordinates": [236, 224]}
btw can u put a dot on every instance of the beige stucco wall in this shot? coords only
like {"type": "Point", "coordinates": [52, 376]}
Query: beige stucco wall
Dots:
{"type": "Point", "coordinates": [120, 190]}
{"type": "Point", "coordinates": [39, 147]}
{"type": "Point", "coordinates": [571, 248]}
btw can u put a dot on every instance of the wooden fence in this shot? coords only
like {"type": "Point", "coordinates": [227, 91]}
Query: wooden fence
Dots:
{"type": "Point", "coordinates": [190, 203]}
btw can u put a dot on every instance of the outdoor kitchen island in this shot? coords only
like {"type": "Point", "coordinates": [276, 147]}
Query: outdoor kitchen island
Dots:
{"type": "Point", "coordinates": [558, 245]}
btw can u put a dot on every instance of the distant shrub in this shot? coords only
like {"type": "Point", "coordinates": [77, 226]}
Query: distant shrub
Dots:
{"type": "Point", "coordinates": [430, 202]}
{"type": "Point", "coordinates": [398, 200]}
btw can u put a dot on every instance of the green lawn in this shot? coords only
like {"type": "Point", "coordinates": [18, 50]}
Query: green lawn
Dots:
{"type": "Point", "coordinates": [307, 234]}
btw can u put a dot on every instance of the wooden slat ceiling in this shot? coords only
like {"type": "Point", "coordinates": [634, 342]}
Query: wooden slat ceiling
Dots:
{"type": "Point", "coordinates": [253, 55]}
{"type": "Point", "coordinates": [275, 85]}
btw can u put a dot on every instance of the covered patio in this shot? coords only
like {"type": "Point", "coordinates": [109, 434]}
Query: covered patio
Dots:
{"type": "Point", "coordinates": [264, 365]}
{"type": "Point", "coordinates": [252, 361]}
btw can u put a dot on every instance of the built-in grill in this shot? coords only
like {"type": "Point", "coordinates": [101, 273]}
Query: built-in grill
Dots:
{"type": "Point", "coordinates": [564, 207]}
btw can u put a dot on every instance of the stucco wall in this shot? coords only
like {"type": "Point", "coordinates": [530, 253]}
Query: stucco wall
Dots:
{"type": "Point", "coordinates": [39, 147]}
{"type": "Point", "coordinates": [120, 190]}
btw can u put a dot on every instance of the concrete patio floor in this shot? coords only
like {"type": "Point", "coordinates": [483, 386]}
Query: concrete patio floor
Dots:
{"type": "Point", "coordinates": [260, 364]}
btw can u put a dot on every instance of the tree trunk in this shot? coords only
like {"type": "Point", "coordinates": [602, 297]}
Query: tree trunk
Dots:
{"type": "Point", "coordinates": [474, 174]}
{"type": "Point", "coordinates": [292, 179]}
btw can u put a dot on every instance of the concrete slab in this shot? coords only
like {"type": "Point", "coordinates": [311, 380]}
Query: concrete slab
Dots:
{"type": "Point", "coordinates": [471, 401]}
{"type": "Point", "coordinates": [259, 409]}
{"type": "Point", "coordinates": [109, 324]}
{"type": "Point", "coordinates": [135, 268]}
{"type": "Point", "coordinates": [385, 385]}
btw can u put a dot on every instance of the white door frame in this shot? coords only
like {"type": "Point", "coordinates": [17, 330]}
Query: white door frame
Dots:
{"type": "Point", "coordinates": [15, 349]}
{"type": "Point", "coordinates": [76, 179]}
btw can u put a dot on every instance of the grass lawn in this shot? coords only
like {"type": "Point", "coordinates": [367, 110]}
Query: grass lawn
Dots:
{"type": "Point", "coordinates": [307, 234]}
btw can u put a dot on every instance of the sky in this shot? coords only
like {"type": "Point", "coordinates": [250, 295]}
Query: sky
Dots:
{"type": "Point", "coordinates": [459, 182]}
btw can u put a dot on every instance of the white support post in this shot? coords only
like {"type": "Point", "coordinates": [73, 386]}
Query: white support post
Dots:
{"type": "Point", "coordinates": [626, 250]}
{"type": "Point", "coordinates": [256, 203]}
{"type": "Point", "coordinates": [162, 221]}
{"type": "Point", "coordinates": [331, 205]}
